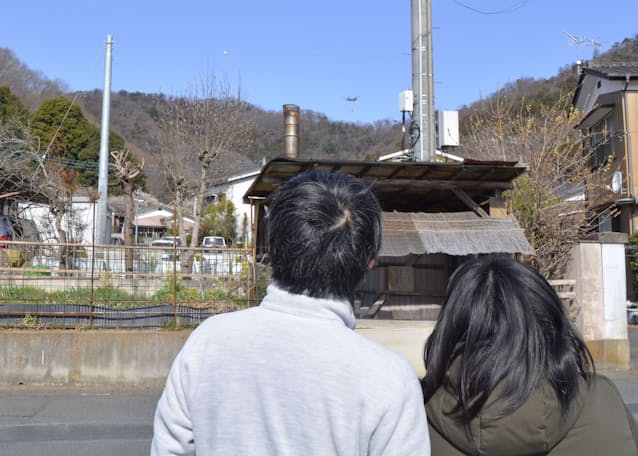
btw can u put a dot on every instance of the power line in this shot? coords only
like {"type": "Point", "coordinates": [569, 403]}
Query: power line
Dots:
{"type": "Point", "coordinates": [46, 153]}
{"type": "Point", "coordinates": [510, 9]}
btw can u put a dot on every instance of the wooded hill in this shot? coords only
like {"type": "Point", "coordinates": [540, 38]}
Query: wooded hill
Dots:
{"type": "Point", "coordinates": [134, 117]}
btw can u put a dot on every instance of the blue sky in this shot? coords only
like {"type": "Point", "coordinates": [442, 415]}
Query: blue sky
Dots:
{"type": "Point", "coordinates": [313, 54]}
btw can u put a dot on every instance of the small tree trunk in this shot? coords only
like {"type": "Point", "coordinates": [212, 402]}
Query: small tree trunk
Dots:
{"type": "Point", "coordinates": [62, 253]}
{"type": "Point", "coordinates": [128, 226]}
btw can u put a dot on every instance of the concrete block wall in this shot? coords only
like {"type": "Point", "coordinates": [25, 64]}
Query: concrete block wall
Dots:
{"type": "Point", "coordinates": [88, 357]}
{"type": "Point", "coordinates": [143, 358]}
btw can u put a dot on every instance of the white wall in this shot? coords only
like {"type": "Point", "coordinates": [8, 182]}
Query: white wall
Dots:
{"type": "Point", "coordinates": [235, 189]}
{"type": "Point", "coordinates": [599, 271]}
{"type": "Point", "coordinates": [614, 291]}
{"type": "Point", "coordinates": [78, 223]}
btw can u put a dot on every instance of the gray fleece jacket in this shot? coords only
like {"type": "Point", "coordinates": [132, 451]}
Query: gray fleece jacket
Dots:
{"type": "Point", "coordinates": [289, 377]}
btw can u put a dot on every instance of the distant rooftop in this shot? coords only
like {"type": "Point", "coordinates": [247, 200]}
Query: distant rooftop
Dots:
{"type": "Point", "coordinates": [611, 70]}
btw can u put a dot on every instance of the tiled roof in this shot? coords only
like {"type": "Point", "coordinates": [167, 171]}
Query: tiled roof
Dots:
{"type": "Point", "coordinates": [612, 70]}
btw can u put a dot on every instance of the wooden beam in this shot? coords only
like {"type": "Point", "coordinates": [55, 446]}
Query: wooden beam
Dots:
{"type": "Point", "coordinates": [469, 202]}
{"type": "Point", "coordinates": [445, 184]}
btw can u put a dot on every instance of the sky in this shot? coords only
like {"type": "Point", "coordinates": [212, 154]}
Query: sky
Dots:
{"type": "Point", "coordinates": [312, 54]}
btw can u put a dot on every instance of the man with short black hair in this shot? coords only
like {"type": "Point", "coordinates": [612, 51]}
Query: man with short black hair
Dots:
{"type": "Point", "coordinates": [291, 377]}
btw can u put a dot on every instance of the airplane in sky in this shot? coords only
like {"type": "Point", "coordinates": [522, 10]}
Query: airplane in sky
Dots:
{"type": "Point", "coordinates": [352, 98]}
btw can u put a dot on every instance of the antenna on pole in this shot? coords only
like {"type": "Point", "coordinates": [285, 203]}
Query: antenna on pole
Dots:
{"type": "Point", "coordinates": [103, 223]}
{"type": "Point", "coordinates": [578, 41]}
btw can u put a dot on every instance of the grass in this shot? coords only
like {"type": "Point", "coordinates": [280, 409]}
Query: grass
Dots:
{"type": "Point", "coordinates": [112, 297]}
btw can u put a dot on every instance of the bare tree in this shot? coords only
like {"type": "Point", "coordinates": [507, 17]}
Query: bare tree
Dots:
{"type": "Point", "coordinates": [31, 86]}
{"type": "Point", "coordinates": [126, 171]}
{"type": "Point", "coordinates": [21, 171]}
{"type": "Point", "coordinates": [204, 123]}
{"type": "Point", "coordinates": [551, 200]}
{"type": "Point", "coordinates": [30, 180]}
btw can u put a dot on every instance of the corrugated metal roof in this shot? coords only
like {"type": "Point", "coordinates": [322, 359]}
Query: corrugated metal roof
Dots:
{"type": "Point", "coordinates": [451, 233]}
{"type": "Point", "coordinates": [405, 186]}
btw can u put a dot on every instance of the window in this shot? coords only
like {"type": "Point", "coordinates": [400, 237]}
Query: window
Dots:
{"type": "Point", "coordinates": [601, 143]}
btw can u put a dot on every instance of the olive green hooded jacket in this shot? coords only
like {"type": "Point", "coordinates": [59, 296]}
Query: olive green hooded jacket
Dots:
{"type": "Point", "coordinates": [597, 423]}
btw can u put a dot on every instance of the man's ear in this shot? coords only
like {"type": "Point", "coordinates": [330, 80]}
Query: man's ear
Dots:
{"type": "Point", "coordinates": [372, 263]}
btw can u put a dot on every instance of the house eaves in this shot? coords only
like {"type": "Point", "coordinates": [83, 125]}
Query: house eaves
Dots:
{"type": "Point", "coordinates": [626, 71]}
{"type": "Point", "coordinates": [594, 116]}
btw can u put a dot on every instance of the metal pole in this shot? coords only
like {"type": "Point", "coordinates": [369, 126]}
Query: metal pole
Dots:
{"type": "Point", "coordinates": [422, 78]}
{"type": "Point", "coordinates": [430, 81]}
{"type": "Point", "coordinates": [103, 230]}
{"type": "Point", "coordinates": [137, 215]}
{"type": "Point", "coordinates": [92, 269]}
{"type": "Point", "coordinates": [175, 310]}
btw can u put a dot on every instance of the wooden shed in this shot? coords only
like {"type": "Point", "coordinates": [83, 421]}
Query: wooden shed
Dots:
{"type": "Point", "coordinates": [435, 216]}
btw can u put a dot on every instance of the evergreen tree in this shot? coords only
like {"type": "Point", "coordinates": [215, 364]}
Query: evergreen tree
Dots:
{"type": "Point", "coordinates": [219, 219]}
{"type": "Point", "coordinates": [68, 137]}
{"type": "Point", "coordinates": [13, 114]}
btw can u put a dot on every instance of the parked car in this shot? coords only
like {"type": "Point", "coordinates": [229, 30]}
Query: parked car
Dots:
{"type": "Point", "coordinates": [168, 241]}
{"type": "Point", "coordinates": [6, 231]}
{"type": "Point", "coordinates": [18, 230]}
{"type": "Point", "coordinates": [214, 242]}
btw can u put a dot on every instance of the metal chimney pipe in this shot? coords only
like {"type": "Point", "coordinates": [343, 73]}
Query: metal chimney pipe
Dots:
{"type": "Point", "coordinates": [291, 129]}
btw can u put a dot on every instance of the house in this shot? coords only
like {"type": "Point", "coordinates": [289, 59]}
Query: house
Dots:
{"type": "Point", "coordinates": [435, 216]}
{"type": "Point", "coordinates": [233, 189]}
{"type": "Point", "coordinates": [607, 94]}
{"type": "Point", "coordinates": [153, 222]}
{"type": "Point", "coordinates": [78, 222]}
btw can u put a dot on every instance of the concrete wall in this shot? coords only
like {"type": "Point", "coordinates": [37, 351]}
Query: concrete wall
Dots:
{"type": "Point", "coordinates": [87, 357]}
{"type": "Point", "coordinates": [599, 270]}
{"type": "Point", "coordinates": [143, 358]}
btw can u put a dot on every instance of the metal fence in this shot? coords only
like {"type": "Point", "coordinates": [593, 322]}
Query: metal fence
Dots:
{"type": "Point", "coordinates": [106, 286]}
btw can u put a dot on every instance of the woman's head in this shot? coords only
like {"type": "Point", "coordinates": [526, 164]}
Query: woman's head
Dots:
{"type": "Point", "coordinates": [509, 328]}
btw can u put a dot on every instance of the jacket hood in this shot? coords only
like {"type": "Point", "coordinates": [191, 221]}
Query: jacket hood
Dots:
{"type": "Point", "coordinates": [533, 429]}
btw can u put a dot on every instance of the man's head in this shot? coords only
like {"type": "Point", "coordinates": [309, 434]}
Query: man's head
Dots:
{"type": "Point", "coordinates": [324, 232]}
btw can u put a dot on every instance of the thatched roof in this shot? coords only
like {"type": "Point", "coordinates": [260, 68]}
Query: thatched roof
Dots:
{"type": "Point", "coordinates": [451, 233]}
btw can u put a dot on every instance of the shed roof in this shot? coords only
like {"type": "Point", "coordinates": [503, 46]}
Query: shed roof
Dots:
{"type": "Point", "coordinates": [451, 233]}
{"type": "Point", "coordinates": [403, 186]}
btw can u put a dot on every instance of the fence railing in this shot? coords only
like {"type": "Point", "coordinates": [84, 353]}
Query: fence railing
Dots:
{"type": "Point", "coordinates": [565, 290]}
{"type": "Point", "coordinates": [107, 286]}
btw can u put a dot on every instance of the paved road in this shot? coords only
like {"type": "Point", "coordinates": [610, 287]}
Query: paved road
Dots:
{"type": "Point", "coordinates": [627, 381]}
{"type": "Point", "coordinates": [101, 422]}
{"type": "Point", "coordinates": [71, 421]}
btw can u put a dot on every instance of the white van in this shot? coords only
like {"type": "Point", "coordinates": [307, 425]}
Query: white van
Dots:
{"type": "Point", "coordinates": [214, 242]}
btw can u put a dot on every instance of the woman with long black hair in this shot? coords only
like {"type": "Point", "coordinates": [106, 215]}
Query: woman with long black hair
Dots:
{"type": "Point", "coordinates": [508, 374]}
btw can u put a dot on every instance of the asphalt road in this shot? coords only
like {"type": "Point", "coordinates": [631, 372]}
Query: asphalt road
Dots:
{"type": "Point", "coordinates": [99, 421]}
{"type": "Point", "coordinates": [71, 421]}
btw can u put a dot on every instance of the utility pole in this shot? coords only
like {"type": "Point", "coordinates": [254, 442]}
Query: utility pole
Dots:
{"type": "Point", "coordinates": [423, 78]}
{"type": "Point", "coordinates": [103, 224]}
